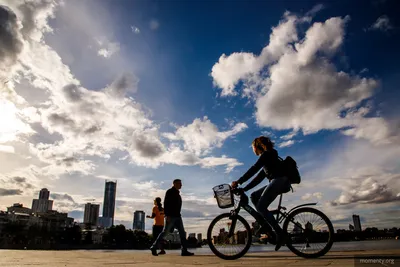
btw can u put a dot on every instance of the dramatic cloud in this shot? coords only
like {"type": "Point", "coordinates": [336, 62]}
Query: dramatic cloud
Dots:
{"type": "Point", "coordinates": [10, 192]}
{"type": "Point", "coordinates": [65, 197]}
{"type": "Point", "coordinates": [382, 24]}
{"type": "Point", "coordinates": [365, 188]}
{"type": "Point", "coordinates": [10, 40]}
{"type": "Point", "coordinates": [295, 86]}
{"type": "Point", "coordinates": [202, 135]}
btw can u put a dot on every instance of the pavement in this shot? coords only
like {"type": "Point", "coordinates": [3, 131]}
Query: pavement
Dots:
{"type": "Point", "coordinates": [19, 258]}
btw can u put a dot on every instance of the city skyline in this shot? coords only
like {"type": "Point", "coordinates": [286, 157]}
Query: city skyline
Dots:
{"type": "Point", "coordinates": [91, 215]}
{"type": "Point", "coordinates": [168, 90]}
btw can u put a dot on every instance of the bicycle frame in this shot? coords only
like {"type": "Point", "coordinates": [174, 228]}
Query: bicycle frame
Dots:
{"type": "Point", "coordinates": [280, 216]}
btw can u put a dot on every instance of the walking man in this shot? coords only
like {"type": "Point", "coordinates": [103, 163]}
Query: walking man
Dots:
{"type": "Point", "coordinates": [173, 218]}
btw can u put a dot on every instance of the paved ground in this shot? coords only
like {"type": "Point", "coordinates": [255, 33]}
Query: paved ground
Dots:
{"type": "Point", "coordinates": [17, 258]}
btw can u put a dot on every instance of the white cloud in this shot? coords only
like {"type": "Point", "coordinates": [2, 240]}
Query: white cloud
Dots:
{"type": "Point", "coordinates": [135, 30]}
{"type": "Point", "coordinates": [382, 23]}
{"type": "Point", "coordinates": [310, 196]}
{"type": "Point", "coordinates": [108, 49]}
{"type": "Point", "coordinates": [154, 24]}
{"type": "Point", "coordinates": [7, 149]}
{"type": "Point", "coordinates": [84, 125]}
{"type": "Point", "coordinates": [286, 143]}
{"type": "Point", "coordinates": [201, 136]}
{"type": "Point", "coordinates": [297, 87]}
{"type": "Point", "coordinates": [367, 187]}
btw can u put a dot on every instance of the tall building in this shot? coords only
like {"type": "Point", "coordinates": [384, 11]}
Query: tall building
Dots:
{"type": "Point", "coordinates": [357, 223]}
{"type": "Point", "coordinates": [199, 237]}
{"type": "Point", "coordinates": [110, 193]}
{"type": "Point", "coordinates": [44, 194]}
{"type": "Point", "coordinates": [91, 215]}
{"type": "Point", "coordinates": [138, 220]}
{"type": "Point", "coordinates": [43, 204]}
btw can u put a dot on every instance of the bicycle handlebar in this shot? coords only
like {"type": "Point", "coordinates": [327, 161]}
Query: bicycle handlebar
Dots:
{"type": "Point", "coordinates": [238, 191]}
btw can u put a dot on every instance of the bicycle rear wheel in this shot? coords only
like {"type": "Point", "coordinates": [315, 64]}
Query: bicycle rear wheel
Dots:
{"type": "Point", "coordinates": [310, 232]}
{"type": "Point", "coordinates": [229, 247]}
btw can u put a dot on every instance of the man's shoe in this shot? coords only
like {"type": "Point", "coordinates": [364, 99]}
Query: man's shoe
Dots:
{"type": "Point", "coordinates": [186, 253]}
{"type": "Point", "coordinates": [162, 252]}
{"type": "Point", "coordinates": [153, 251]}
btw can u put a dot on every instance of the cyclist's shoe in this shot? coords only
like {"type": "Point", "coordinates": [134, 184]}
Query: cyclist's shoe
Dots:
{"type": "Point", "coordinates": [281, 240]}
{"type": "Point", "coordinates": [186, 253]}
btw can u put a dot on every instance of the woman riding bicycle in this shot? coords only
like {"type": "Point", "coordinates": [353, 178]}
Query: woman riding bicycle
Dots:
{"type": "Point", "coordinates": [273, 170]}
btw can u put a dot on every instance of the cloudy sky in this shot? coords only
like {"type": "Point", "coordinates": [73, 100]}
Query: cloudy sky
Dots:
{"type": "Point", "coordinates": [144, 92]}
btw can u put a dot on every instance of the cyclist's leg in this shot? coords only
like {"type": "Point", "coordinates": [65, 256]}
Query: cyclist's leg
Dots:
{"type": "Point", "coordinates": [256, 195]}
{"type": "Point", "coordinates": [275, 187]}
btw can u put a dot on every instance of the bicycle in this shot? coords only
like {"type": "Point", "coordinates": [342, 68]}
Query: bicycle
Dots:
{"type": "Point", "coordinates": [300, 238]}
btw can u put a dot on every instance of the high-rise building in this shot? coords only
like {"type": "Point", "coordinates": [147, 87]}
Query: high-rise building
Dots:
{"type": "Point", "coordinates": [199, 237]}
{"type": "Point", "coordinates": [91, 215]}
{"type": "Point", "coordinates": [44, 194]}
{"type": "Point", "coordinates": [43, 204]}
{"type": "Point", "coordinates": [138, 220]}
{"type": "Point", "coordinates": [110, 192]}
{"type": "Point", "coordinates": [357, 223]}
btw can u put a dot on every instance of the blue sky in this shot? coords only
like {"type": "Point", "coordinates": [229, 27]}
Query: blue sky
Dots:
{"type": "Point", "coordinates": [148, 91]}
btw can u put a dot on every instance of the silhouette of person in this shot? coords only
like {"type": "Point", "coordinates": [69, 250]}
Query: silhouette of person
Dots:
{"type": "Point", "coordinates": [173, 218]}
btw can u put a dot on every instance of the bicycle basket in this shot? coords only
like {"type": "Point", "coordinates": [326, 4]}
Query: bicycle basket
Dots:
{"type": "Point", "coordinates": [224, 196]}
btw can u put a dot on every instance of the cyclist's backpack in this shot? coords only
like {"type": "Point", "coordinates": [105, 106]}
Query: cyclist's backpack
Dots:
{"type": "Point", "coordinates": [291, 170]}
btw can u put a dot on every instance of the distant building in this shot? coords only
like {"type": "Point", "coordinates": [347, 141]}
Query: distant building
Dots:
{"type": "Point", "coordinates": [105, 222]}
{"type": "Point", "coordinates": [357, 223]}
{"type": "Point", "coordinates": [91, 215]}
{"type": "Point", "coordinates": [199, 237]}
{"type": "Point", "coordinates": [138, 220]}
{"type": "Point", "coordinates": [351, 227]}
{"type": "Point", "coordinates": [19, 208]}
{"type": "Point", "coordinates": [44, 194]}
{"type": "Point", "coordinates": [43, 204]}
{"type": "Point", "coordinates": [110, 192]}
{"type": "Point", "coordinates": [309, 226]}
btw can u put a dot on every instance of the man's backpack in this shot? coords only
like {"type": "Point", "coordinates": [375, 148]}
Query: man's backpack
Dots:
{"type": "Point", "coordinates": [291, 170]}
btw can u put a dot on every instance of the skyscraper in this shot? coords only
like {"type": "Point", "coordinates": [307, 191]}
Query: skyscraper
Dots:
{"type": "Point", "coordinates": [110, 193]}
{"type": "Point", "coordinates": [91, 215]}
{"type": "Point", "coordinates": [357, 223]}
{"type": "Point", "coordinates": [138, 220]}
{"type": "Point", "coordinates": [43, 204]}
{"type": "Point", "coordinates": [44, 194]}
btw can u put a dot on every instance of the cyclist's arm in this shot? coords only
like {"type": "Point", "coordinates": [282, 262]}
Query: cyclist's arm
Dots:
{"type": "Point", "coordinates": [253, 169]}
{"type": "Point", "coordinates": [258, 179]}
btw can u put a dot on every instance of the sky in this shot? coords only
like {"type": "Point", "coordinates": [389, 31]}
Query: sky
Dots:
{"type": "Point", "coordinates": [144, 92]}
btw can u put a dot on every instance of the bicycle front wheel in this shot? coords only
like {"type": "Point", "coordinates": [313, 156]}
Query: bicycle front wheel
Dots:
{"type": "Point", "coordinates": [229, 237]}
{"type": "Point", "coordinates": [310, 232]}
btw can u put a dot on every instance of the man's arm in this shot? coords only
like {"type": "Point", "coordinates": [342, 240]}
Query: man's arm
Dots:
{"type": "Point", "coordinates": [253, 169]}
{"type": "Point", "coordinates": [258, 179]}
{"type": "Point", "coordinates": [167, 202]}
